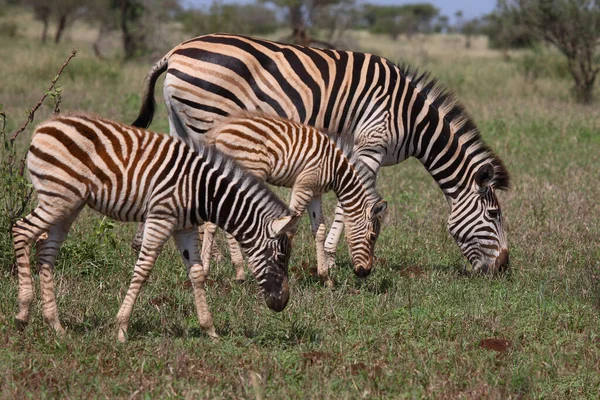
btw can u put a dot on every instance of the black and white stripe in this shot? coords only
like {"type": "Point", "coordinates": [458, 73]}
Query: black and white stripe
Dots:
{"type": "Point", "coordinates": [393, 112]}
{"type": "Point", "coordinates": [133, 175]}
{"type": "Point", "coordinates": [289, 154]}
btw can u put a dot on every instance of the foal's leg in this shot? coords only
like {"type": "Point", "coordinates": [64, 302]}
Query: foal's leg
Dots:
{"type": "Point", "coordinates": [334, 236]}
{"type": "Point", "coordinates": [317, 222]}
{"type": "Point", "coordinates": [207, 243]}
{"type": "Point", "coordinates": [47, 250]}
{"type": "Point", "coordinates": [25, 232]}
{"type": "Point", "coordinates": [216, 252]}
{"type": "Point", "coordinates": [237, 258]}
{"type": "Point", "coordinates": [136, 242]}
{"type": "Point", "coordinates": [187, 243]}
{"type": "Point", "coordinates": [156, 233]}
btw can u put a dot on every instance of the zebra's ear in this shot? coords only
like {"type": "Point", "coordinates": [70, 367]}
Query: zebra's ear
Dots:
{"type": "Point", "coordinates": [484, 175]}
{"type": "Point", "coordinates": [284, 224]}
{"type": "Point", "coordinates": [378, 209]}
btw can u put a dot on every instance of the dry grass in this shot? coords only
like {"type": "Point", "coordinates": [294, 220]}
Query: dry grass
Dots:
{"type": "Point", "coordinates": [413, 329]}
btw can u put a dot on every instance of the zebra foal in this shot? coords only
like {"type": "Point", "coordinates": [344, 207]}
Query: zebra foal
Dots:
{"type": "Point", "coordinates": [130, 174]}
{"type": "Point", "coordinates": [289, 154]}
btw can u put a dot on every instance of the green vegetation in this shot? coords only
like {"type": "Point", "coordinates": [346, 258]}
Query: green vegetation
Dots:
{"type": "Point", "coordinates": [412, 329]}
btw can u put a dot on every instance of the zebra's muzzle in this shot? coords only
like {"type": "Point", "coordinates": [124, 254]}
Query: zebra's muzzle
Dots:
{"type": "Point", "coordinates": [362, 272]}
{"type": "Point", "coordinates": [502, 261]}
{"type": "Point", "coordinates": [277, 301]}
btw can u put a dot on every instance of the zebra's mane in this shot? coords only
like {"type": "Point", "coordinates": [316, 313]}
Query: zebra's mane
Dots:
{"type": "Point", "coordinates": [345, 143]}
{"type": "Point", "coordinates": [460, 122]}
{"type": "Point", "coordinates": [242, 177]}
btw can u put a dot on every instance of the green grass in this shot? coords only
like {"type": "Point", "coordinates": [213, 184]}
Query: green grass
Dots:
{"type": "Point", "coordinates": [412, 329]}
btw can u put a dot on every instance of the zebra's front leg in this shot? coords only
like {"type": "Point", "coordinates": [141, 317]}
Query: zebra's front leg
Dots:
{"type": "Point", "coordinates": [156, 233]}
{"type": "Point", "coordinates": [187, 243]}
{"type": "Point", "coordinates": [317, 222]}
{"type": "Point", "coordinates": [216, 254]}
{"type": "Point", "coordinates": [334, 236]}
{"type": "Point", "coordinates": [207, 243]}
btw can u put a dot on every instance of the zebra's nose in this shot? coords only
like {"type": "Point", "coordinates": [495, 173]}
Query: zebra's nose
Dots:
{"type": "Point", "coordinates": [362, 272]}
{"type": "Point", "coordinates": [278, 300]}
{"type": "Point", "coordinates": [502, 261]}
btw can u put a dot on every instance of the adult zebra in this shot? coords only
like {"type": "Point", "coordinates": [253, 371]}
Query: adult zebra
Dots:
{"type": "Point", "coordinates": [393, 112]}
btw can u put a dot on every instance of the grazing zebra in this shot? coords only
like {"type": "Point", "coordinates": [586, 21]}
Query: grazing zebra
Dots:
{"type": "Point", "coordinates": [132, 175]}
{"type": "Point", "coordinates": [285, 153]}
{"type": "Point", "coordinates": [393, 112]}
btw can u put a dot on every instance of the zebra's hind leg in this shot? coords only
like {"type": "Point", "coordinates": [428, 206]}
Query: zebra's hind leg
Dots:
{"type": "Point", "coordinates": [47, 250]}
{"type": "Point", "coordinates": [237, 258]}
{"type": "Point", "coordinates": [25, 232]}
{"type": "Point", "coordinates": [136, 242]}
{"type": "Point", "coordinates": [187, 243]}
{"type": "Point", "coordinates": [317, 222]}
{"type": "Point", "coordinates": [334, 236]}
{"type": "Point", "coordinates": [156, 233]}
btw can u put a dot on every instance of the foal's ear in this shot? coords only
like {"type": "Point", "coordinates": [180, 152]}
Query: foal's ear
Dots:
{"type": "Point", "coordinates": [378, 209]}
{"type": "Point", "coordinates": [484, 175]}
{"type": "Point", "coordinates": [284, 224]}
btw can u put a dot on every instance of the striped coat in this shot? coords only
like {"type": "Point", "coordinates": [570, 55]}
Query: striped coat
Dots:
{"type": "Point", "coordinates": [130, 174]}
{"type": "Point", "coordinates": [393, 113]}
{"type": "Point", "coordinates": [289, 154]}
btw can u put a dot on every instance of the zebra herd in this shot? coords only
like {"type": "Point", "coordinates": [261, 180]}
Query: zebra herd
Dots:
{"type": "Point", "coordinates": [242, 111]}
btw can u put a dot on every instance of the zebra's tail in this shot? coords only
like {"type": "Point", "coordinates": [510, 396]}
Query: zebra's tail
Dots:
{"type": "Point", "coordinates": [148, 104]}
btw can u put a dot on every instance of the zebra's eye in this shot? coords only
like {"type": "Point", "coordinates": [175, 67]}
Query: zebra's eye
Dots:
{"type": "Point", "coordinates": [493, 213]}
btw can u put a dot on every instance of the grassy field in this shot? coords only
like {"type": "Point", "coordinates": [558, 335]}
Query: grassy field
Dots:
{"type": "Point", "coordinates": [413, 329]}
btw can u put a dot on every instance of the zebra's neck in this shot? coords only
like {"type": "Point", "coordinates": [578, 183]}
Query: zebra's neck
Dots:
{"type": "Point", "coordinates": [347, 183]}
{"type": "Point", "coordinates": [439, 133]}
{"type": "Point", "coordinates": [231, 198]}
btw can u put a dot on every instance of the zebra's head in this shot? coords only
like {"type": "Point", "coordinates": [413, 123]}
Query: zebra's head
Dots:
{"type": "Point", "coordinates": [268, 260]}
{"type": "Point", "coordinates": [476, 220]}
{"type": "Point", "coordinates": [362, 231]}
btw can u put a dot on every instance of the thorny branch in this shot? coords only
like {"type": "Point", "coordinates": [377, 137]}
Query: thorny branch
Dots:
{"type": "Point", "coordinates": [39, 103]}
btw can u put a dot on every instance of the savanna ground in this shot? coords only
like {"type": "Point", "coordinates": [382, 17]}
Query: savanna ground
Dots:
{"type": "Point", "coordinates": [411, 329]}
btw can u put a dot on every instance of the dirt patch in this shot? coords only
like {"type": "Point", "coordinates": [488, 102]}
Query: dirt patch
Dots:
{"type": "Point", "coordinates": [316, 358]}
{"type": "Point", "coordinates": [413, 272]}
{"type": "Point", "coordinates": [162, 299]}
{"type": "Point", "coordinates": [498, 345]}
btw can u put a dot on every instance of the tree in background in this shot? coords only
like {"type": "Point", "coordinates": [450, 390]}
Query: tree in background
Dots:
{"type": "Point", "coordinates": [247, 19]}
{"type": "Point", "coordinates": [64, 11]}
{"type": "Point", "coordinates": [572, 26]}
{"type": "Point", "coordinates": [407, 19]}
{"type": "Point", "coordinates": [304, 15]}
{"type": "Point", "coordinates": [468, 27]}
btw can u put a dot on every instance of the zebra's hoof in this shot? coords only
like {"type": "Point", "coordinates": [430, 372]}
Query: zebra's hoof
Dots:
{"type": "Point", "coordinates": [328, 284]}
{"type": "Point", "coordinates": [20, 324]}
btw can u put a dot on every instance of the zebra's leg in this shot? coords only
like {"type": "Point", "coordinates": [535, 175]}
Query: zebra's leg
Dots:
{"type": "Point", "coordinates": [207, 243]}
{"type": "Point", "coordinates": [136, 242]}
{"type": "Point", "coordinates": [187, 243]}
{"type": "Point", "coordinates": [334, 236]}
{"type": "Point", "coordinates": [47, 250]}
{"type": "Point", "coordinates": [216, 254]}
{"type": "Point", "coordinates": [317, 222]}
{"type": "Point", "coordinates": [237, 258]}
{"type": "Point", "coordinates": [156, 233]}
{"type": "Point", "coordinates": [25, 232]}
